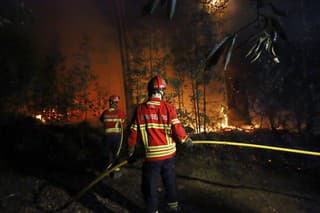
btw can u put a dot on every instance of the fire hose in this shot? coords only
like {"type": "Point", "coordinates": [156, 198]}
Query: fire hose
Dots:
{"type": "Point", "coordinates": [112, 168]}
{"type": "Point", "coordinates": [305, 152]}
{"type": "Point", "coordinates": [91, 184]}
{"type": "Point", "coordinates": [120, 146]}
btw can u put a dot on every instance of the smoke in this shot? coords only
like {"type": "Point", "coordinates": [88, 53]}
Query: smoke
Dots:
{"type": "Point", "coordinates": [69, 22]}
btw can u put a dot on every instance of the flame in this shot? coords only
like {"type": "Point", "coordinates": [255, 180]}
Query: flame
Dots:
{"type": "Point", "coordinates": [40, 117]}
{"type": "Point", "coordinates": [225, 120]}
{"type": "Point", "coordinates": [219, 4]}
{"type": "Point", "coordinates": [214, 2]}
{"type": "Point", "coordinates": [225, 126]}
{"type": "Point", "coordinates": [48, 115]}
{"type": "Point", "coordinates": [222, 124]}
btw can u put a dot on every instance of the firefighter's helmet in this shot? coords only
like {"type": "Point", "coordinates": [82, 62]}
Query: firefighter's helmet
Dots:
{"type": "Point", "coordinates": [114, 99]}
{"type": "Point", "coordinates": [155, 84]}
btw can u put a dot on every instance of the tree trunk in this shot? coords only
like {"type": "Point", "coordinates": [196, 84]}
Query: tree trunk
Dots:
{"type": "Point", "coordinates": [121, 24]}
{"type": "Point", "coordinates": [204, 108]}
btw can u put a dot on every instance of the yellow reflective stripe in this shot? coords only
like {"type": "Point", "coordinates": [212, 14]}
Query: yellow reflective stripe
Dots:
{"type": "Point", "coordinates": [161, 147]}
{"type": "Point", "coordinates": [160, 153]}
{"type": "Point", "coordinates": [175, 121]}
{"type": "Point", "coordinates": [134, 127]}
{"type": "Point", "coordinates": [166, 127]}
{"type": "Point", "coordinates": [144, 136]}
{"type": "Point", "coordinates": [158, 126]}
{"type": "Point", "coordinates": [184, 139]}
{"type": "Point", "coordinates": [112, 130]}
{"type": "Point", "coordinates": [173, 205]}
{"type": "Point", "coordinates": [168, 137]}
{"type": "Point", "coordinates": [112, 119]}
{"type": "Point", "coordinates": [154, 103]}
{"type": "Point", "coordinates": [155, 125]}
{"type": "Point", "coordinates": [168, 133]}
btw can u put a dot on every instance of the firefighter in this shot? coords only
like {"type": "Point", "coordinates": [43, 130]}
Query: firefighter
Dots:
{"type": "Point", "coordinates": [113, 121]}
{"type": "Point", "coordinates": [157, 126]}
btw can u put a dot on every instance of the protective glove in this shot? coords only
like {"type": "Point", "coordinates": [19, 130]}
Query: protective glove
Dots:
{"type": "Point", "coordinates": [188, 142]}
{"type": "Point", "coordinates": [131, 158]}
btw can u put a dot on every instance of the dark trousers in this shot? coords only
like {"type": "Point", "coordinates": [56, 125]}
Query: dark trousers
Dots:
{"type": "Point", "coordinates": [151, 173]}
{"type": "Point", "coordinates": [111, 145]}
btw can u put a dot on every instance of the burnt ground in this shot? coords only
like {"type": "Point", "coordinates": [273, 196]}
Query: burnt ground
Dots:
{"type": "Point", "coordinates": [42, 168]}
{"type": "Point", "coordinates": [205, 185]}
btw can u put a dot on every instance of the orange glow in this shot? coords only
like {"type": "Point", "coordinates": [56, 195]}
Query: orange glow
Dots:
{"type": "Point", "coordinates": [218, 5]}
{"type": "Point", "coordinates": [48, 115]}
{"type": "Point", "coordinates": [67, 22]}
{"type": "Point", "coordinates": [39, 117]}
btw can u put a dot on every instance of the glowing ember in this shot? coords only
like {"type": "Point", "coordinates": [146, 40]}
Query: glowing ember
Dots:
{"type": "Point", "coordinates": [225, 121]}
{"type": "Point", "coordinates": [218, 5]}
{"type": "Point", "coordinates": [49, 115]}
{"type": "Point", "coordinates": [39, 117]}
{"type": "Point", "coordinates": [224, 125]}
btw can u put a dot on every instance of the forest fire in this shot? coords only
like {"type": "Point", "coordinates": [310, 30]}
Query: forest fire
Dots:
{"type": "Point", "coordinates": [52, 115]}
{"type": "Point", "coordinates": [49, 115]}
{"type": "Point", "coordinates": [224, 125]}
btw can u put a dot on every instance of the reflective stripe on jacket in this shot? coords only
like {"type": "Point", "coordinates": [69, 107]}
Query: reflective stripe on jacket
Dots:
{"type": "Point", "coordinates": [112, 119]}
{"type": "Point", "coordinates": [156, 123]}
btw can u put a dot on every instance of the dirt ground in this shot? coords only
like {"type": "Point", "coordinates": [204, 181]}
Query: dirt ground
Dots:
{"type": "Point", "coordinates": [205, 184]}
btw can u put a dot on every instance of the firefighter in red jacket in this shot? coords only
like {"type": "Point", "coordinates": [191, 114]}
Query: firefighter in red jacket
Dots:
{"type": "Point", "coordinates": [157, 126]}
{"type": "Point", "coordinates": [113, 122]}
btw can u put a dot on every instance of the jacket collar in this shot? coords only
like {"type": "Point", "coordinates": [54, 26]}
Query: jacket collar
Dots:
{"type": "Point", "coordinates": [155, 99]}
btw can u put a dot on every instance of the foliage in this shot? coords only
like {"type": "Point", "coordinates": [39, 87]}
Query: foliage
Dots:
{"type": "Point", "coordinates": [14, 13]}
{"type": "Point", "coordinates": [188, 52]}
{"type": "Point", "coordinates": [226, 43]}
{"type": "Point", "coordinates": [17, 55]}
{"type": "Point", "coordinates": [37, 84]}
{"type": "Point", "coordinates": [269, 31]}
{"type": "Point", "coordinates": [148, 57]}
{"type": "Point", "coordinates": [152, 5]}
{"type": "Point", "coordinates": [45, 81]}
{"type": "Point", "coordinates": [74, 99]}
{"type": "Point", "coordinates": [265, 42]}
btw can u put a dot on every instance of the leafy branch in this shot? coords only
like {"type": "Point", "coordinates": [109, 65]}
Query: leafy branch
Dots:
{"type": "Point", "coordinates": [263, 41]}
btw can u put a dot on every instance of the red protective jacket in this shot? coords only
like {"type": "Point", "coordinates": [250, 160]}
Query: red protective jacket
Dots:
{"type": "Point", "coordinates": [112, 120]}
{"type": "Point", "coordinates": [157, 124]}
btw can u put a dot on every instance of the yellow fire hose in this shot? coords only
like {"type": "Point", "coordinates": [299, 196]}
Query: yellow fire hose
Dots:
{"type": "Point", "coordinates": [94, 182]}
{"type": "Point", "coordinates": [110, 168]}
{"type": "Point", "coordinates": [121, 140]}
{"type": "Point", "coordinates": [113, 168]}
{"type": "Point", "coordinates": [120, 146]}
{"type": "Point", "coordinates": [305, 152]}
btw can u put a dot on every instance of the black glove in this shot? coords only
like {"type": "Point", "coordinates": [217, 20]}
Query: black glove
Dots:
{"type": "Point", "coordinates": [132, 158]}
{"type": "Point", "coordinates": [188, 142]}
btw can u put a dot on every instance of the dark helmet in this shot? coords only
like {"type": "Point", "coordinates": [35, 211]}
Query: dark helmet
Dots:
{"type": "Point", "coordinates": [114, 99]}
{"type": "Point", "coordinates": [156, 84]}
